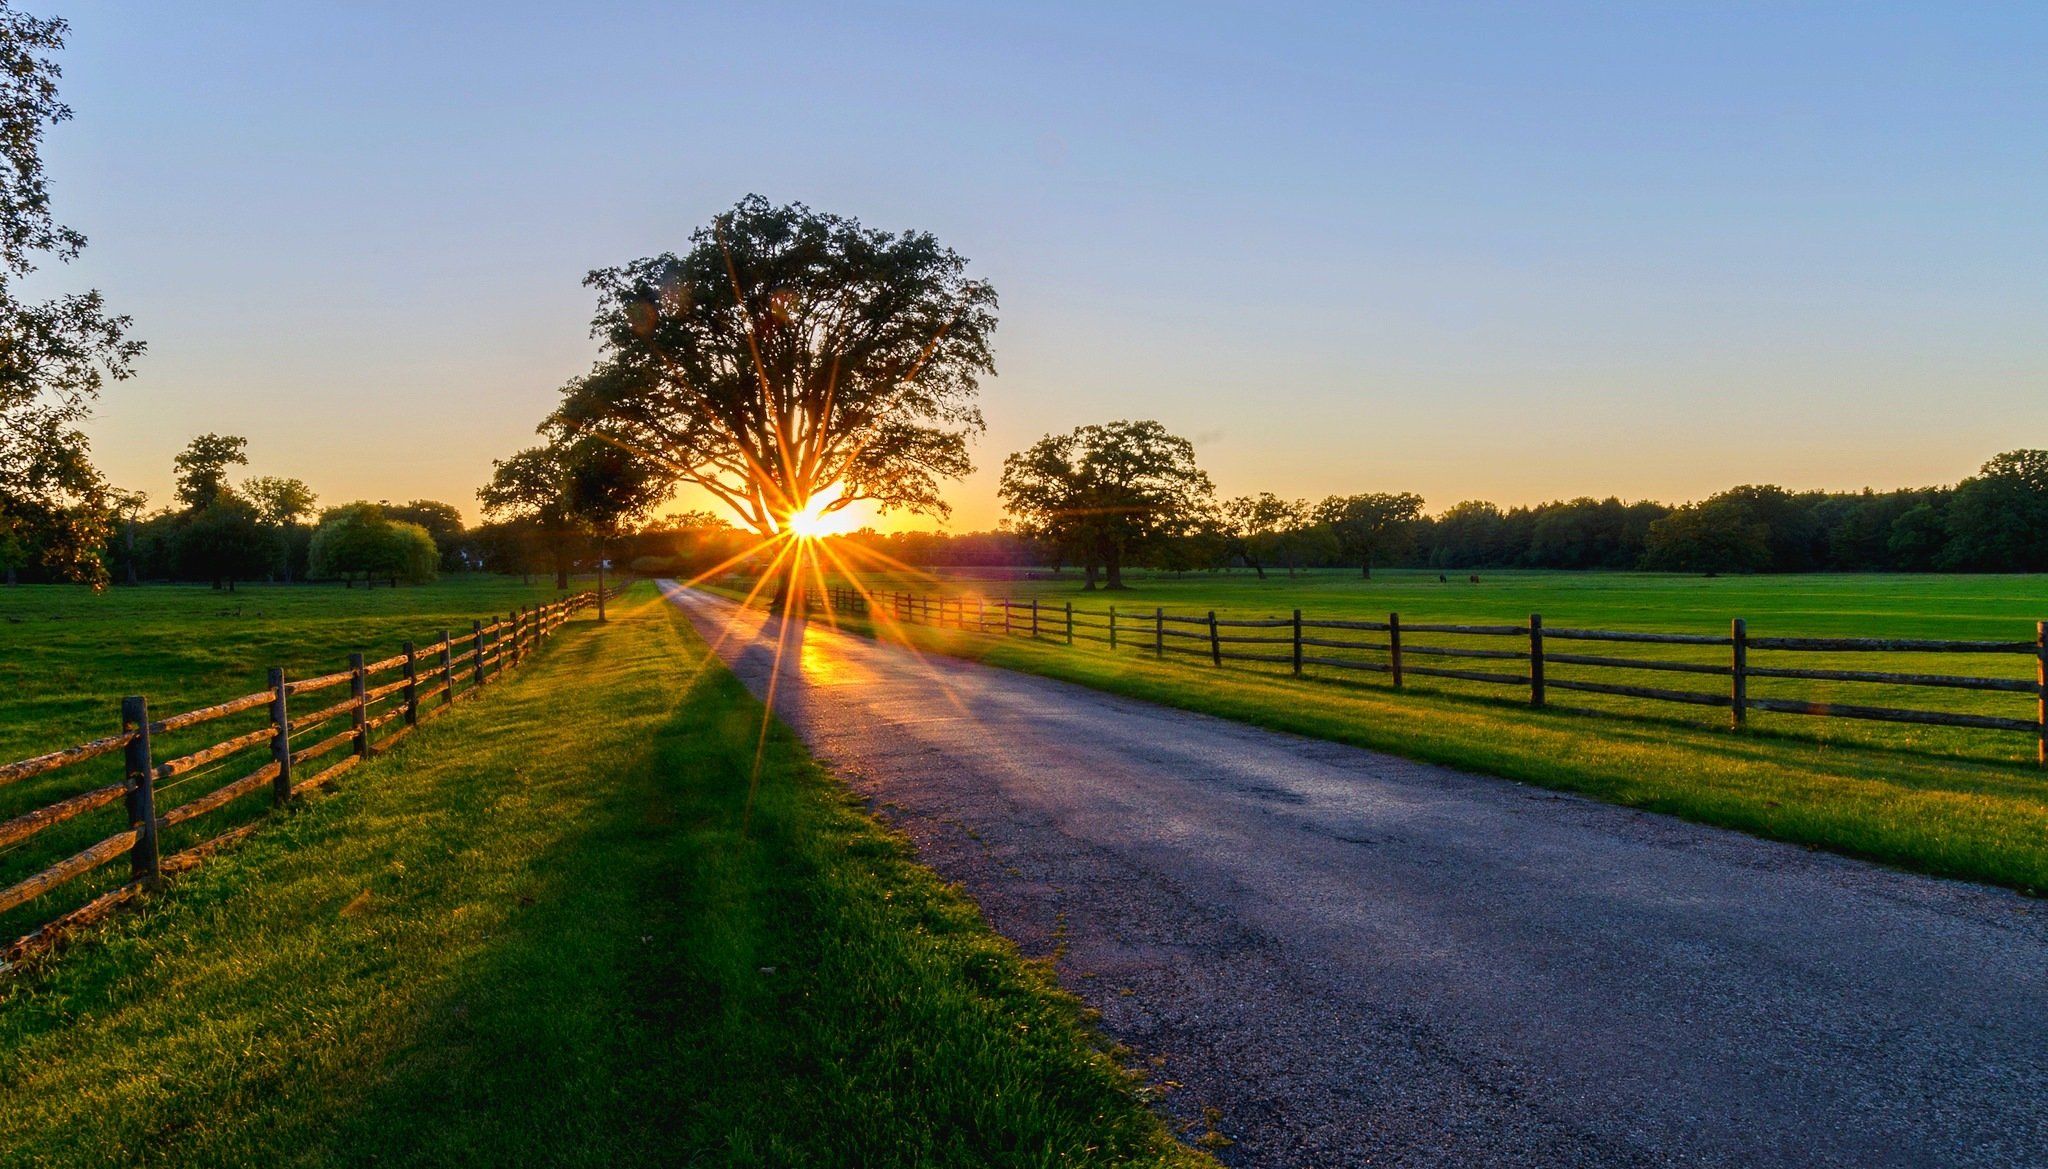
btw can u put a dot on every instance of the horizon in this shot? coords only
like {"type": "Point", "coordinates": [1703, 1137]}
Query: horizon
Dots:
{"type": "Point", "coordinates": [1478, 254]}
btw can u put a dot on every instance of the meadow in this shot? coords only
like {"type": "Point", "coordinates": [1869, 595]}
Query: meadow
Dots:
{"type": "Point", "coordinates": [1967, 803]}
{"type": "Point", "coordinates": [552, 894]}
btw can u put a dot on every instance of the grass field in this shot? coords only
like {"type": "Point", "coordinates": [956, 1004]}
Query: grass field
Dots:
{"type": "Point", "coordinates": [70, 656]}
{"type": "Point", "coordinates": [536, 934]}
{"type": "Point", "coordinates": [1962, 803]}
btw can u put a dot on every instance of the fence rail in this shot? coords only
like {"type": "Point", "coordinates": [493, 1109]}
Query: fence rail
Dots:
{"type": "Point", "coordinates": [1203, 635]}
{"type": "Point", "coordinates": [425, 684]}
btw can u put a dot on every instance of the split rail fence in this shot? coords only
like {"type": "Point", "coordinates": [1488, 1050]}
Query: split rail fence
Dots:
{"type": "Point", "coordinates": [1521, 657]}
{"type": "Point", "coordinates": [411, 686]}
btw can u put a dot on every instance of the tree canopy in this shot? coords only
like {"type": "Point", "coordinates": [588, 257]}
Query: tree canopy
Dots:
{"type": "Point", "coordinates": [202, 468]}
{"type": "Point", "coordinates": [1104, 493]}
{"type": "Point", "coordinates": [358, 539]}
{"type": "Point", "coordinates": [787, 352]}
{"type": "Point", "coordinates": [1372, 526]}
{"type": "Point", "coordinates": [56, 354]}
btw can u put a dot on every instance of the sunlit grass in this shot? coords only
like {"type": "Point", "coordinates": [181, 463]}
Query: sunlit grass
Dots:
{"type": "Point", "coordinates": [536, 934]}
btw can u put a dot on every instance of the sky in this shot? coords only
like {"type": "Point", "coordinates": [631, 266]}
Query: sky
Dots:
{"type": "Point", "coordinates": [1511, 252]}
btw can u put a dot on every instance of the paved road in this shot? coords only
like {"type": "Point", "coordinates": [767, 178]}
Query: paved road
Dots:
{"type": "Point", "coordinates": [1360, 959]}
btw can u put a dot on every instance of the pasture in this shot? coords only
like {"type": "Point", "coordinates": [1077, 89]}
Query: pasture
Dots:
{"type": "Point", "coordinates": [549, 895]}
{"type": "Point", "coordinates": [1967, 803]}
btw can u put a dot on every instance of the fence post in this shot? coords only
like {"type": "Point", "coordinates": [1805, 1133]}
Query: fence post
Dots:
{"type": "Point", "coordinates": [143, 863]}
{"type": "Point", "coordinates": [1738, 674]}
{"type": "Point", "coordinates": [447, 669]}
{"type": "Point", "coordinates": [1535, 659]}
{"type": "Point", "coordinates": [980, 614]}
{"type": "Point", "coordinates": [1297, 643]}
{"type": "Point", "coordinates": [1070, 622]}
{"type": "Point", "coordinates": [1034, 618]}
{"type": "Point", "coordinates": [280, 737]}
{"type": "Point", "coordinates": [1112, 627]}
{"type": "Point", "coordinates": [476, 662]}
{"type": "Point", "coordinates": [2041, 686]}
{"type": "Point", "coordinates": [1394, 647]}
{"type": "Point", "coordinates": [1006, 616]}
{"type": "Point", "coordinates": [1159, 633]}
{"type": "Point", "coordinates": [358, 686]}
{"type": "Point", "coordinates": [1215, 646]}
{"type": "Point", "coordinates": [411, 692]}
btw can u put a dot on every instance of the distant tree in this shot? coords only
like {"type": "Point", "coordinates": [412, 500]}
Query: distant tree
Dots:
{"type": "Point", "coordinates": [1257, 527]}
{"type": "Point", "coordinates": [1919, 537]}
{"type": "Point", "coordinates": [202, 468]}
{"type": "Point", "coordinates": [607, 487]}
{"type": "Point", "coordinates": [443, 522]}
{"type": "Point", "coordinates": [283, 505]}
{"type": "Point", "coordinates": [1715, 535]}
{"type": "Point", "coordinates": [1370, 527]}
{"type": "Point", "coordinates": [358, 539]}
{"type": "Point", "coordinates": [789, 352]}
{"type": "Point", "coordinates": [1998, 519]}
{"type": "Point", "coordinates": [1107, 492]}
{"type": "Point", "coordinates": [55, 355]}
{"type": "Point", "coordinates": [279, 502]}
{"type": "Point", "coordinates": [227, 541]}
{"type": "Point", "coordinates": [128, 507]}
{"type": "Point", "coordinates": [533, 486]}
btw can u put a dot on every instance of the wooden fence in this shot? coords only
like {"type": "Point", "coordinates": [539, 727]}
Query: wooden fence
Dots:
{"type": "Point", "coordinates": [405, 689]}
{"type": "Point", "coordinates": [1521, 661]}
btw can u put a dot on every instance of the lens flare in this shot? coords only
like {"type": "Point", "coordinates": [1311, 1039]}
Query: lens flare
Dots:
{"type": "Point", "coordinates": [815, 519]}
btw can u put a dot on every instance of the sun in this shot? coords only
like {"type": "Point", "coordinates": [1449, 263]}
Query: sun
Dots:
{"type": "Point", "coordinates": [812, 521]}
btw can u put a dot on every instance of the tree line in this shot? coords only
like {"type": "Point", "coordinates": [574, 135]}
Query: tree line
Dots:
{"type": "Point", "coordinates": [1104, 497]}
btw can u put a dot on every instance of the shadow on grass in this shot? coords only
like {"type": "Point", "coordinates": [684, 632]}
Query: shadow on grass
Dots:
{"type": "Point", "coordinates": [556, 948]}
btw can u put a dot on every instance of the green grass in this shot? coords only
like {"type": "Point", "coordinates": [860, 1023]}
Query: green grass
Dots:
{"type": "Point", "coordinates": [1958, 803]}
{"type": "Point", "coordinates": [535, 934]}
{"type": "Point", "coordinates": [71, 655]}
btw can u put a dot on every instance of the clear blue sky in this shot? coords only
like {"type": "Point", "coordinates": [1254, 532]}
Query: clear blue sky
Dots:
{"type": "Point", "coordinates": [1502, 251]}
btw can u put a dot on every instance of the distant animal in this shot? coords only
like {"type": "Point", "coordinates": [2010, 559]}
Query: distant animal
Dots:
{"type": "Point", "coordinates": [1442, 579]}
{"type": "Point", "coordinates": [1474, 578]}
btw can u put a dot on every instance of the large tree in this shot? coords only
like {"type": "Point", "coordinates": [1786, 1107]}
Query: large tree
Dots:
{"type": "Point", "coordinates": [358, 539]}
{"type": "Point", "coordinates": [55, 354]}
{"type": "Point", "coordinates": [1104, 494]}
{"type": "Point", "coordinates": [790, 355]}
{"type": "Point", "coordinates": [1371, 527]}
{"type": "Point", "coordinates": [283, 504]}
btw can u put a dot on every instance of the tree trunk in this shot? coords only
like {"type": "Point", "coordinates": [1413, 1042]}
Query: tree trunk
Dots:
{"type": "Point", "coordinates": [1090, 585]}
{"type": "Point", "coordinates": [561, 576]}
{"type": "Point", "coordinates": [1113, 568]}
{"type": "Point", "coordinates": [1365, 566]}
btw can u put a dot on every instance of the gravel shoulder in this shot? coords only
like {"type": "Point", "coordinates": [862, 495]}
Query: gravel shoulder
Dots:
{"type": "Point", "coordinates": [1359, 959]}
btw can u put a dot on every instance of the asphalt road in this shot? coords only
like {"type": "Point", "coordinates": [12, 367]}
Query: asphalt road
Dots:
{"type": "Point", "coordinates": [1358, 959]}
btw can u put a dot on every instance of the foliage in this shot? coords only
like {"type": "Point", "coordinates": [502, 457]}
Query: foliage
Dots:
{"type": "Point", "coordinates": [228, 541]}
{"type": "Point", "coordinates": [279, 502]}
{"type": "Point", "coordinates": [1372, 526]}
{"type": "Point", "coordinates": [55, 355]}
{"type": "Point", "coordinates": [531, 487]}
{"type": "Point", "coordinates": [1105, 493]}
{"type": "Point", "coordinates": [358, 539]}
{"type": "Point", "coordinates": [443, 521]}
{"type": "Point", "coordinates": [1258, 527]}
{"type": "Point", "coordinates": [202, 468]}
{"type": "Point", "coordinates": [1998, 519]}
{"type": "Point", "coordinates": [791, 351]}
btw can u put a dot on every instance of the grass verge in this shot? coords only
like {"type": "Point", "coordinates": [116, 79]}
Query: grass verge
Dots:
{"type": "Point", "coordinates": [1984, 821]}
{"type": "Point", "coordinates": [535, 934]}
